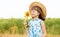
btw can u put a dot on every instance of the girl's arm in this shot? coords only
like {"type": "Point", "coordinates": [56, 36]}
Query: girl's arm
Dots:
{"type": "Point", "coordinates": [25, 24]}
{"type": "Point", "coordinates": [43, 29]}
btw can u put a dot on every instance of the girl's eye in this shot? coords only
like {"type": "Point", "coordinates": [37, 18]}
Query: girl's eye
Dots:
{"type": "Point", "coordinates": [33, 11]}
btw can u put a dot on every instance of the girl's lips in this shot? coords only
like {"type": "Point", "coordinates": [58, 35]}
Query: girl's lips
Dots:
{"type": "Point", "coordinates": [32, 14]}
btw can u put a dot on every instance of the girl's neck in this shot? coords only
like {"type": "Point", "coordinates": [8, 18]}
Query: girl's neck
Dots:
{"type": "Point", "coordinates": [35, 18]}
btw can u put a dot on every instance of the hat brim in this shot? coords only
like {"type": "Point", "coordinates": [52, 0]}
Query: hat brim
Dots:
{"type": "Point", "coordinates": [40, 5]}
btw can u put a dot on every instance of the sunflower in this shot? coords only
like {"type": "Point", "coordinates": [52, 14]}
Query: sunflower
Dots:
{"type": "Point", "coordinates": [27, 14]}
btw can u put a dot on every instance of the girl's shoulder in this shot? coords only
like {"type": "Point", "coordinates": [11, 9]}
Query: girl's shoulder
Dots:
{"type": "Point", "coordinates": [30, 21]}
{"type": "Point", "coordinates": [39, 20]}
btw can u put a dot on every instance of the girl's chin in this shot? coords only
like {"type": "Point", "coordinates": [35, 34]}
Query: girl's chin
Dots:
{"type": "Point", "coordinates": [32, 17]}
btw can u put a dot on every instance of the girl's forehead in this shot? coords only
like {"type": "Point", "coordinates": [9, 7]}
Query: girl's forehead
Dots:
{"type": "Point", "coordinates": [33, 10]}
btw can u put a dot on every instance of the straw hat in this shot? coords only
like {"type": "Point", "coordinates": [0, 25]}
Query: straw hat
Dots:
{"type": "Point", "coordinates": [41, 6]}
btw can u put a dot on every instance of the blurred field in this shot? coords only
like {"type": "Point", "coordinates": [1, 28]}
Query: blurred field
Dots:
{"type": "Point", "coordinates": [14, 27]}
{"type": "Point", "coordinates": [53, 25]}
{"type": "Point", "coordinates": [23, 35]}
{"type": "Point", "coordinates": [13, 35]}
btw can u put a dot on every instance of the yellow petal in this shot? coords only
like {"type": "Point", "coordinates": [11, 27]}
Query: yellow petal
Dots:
{"type": "Point", "coordinates": [27, 14]}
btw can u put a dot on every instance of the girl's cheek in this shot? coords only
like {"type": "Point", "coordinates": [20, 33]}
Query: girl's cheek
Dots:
{"type": "Point", "coordinates": [32, 15]}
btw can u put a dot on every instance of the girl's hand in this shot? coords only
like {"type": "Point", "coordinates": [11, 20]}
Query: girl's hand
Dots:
{"type": "Point", "coordinates": [43, 35]}
{"type": "Point", "coordinates": [25, 23]}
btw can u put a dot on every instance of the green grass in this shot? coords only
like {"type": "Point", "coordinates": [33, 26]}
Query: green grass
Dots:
{"type": "Point", "coordinates": [52, 25]}
{"type": "Point", "coordinates": [5, 24]}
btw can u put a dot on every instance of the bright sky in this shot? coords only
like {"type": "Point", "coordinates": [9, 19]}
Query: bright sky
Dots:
{"type": "Point", "coordinates": [16, 8]}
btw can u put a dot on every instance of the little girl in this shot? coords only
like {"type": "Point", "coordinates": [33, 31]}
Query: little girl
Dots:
{"type": "Point", "coordinates": [36, 25]}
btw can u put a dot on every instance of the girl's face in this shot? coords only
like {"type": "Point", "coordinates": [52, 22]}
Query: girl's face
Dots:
{"type": "Point", "coordinates": [34, 13]}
